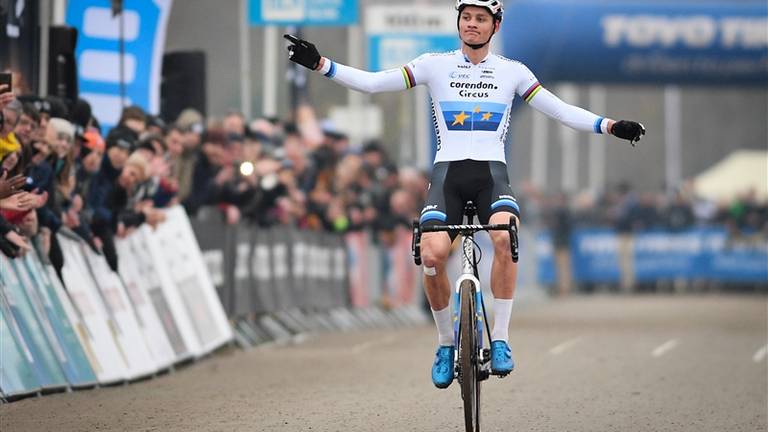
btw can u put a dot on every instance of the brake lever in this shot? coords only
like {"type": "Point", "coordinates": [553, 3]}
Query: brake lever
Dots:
{"type": "Point", "coordinates": [416, 243]}
{"type": "Point", "coordinates": [513, 240]}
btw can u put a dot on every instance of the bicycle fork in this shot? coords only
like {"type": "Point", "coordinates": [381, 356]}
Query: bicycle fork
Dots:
{"type": "Point", "coordinates": [482, 354]}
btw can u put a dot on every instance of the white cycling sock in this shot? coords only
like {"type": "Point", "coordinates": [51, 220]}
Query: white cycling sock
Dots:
{"type": "Point", "coordinates": [444, 321]}
{"type": "Point", "coordinates": [502, 310]}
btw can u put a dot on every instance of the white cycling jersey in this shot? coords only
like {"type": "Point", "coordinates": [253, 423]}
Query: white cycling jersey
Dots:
{"type": "Point", "coordinates": [470, 103]}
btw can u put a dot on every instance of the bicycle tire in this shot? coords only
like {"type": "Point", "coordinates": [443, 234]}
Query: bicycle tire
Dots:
{"type": "Point", "coordinates": [470, 386]}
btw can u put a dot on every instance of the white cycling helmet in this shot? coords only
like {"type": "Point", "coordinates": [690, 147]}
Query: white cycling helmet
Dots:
{"type": "Point", "coordinates": [494, 6]}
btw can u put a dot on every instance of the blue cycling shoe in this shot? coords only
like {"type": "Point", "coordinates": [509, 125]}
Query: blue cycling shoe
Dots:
{"type": "Point", "coordinates": [501, 358]}
{"type": "Point", "coordinates": [442, 369]}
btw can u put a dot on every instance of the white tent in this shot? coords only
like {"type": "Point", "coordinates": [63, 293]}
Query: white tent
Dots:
{"type": "Point", "coordinates": [736, 174]}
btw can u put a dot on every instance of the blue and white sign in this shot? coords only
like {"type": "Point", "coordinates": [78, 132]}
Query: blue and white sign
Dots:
{"type": "Point", "coordinates": [303, 12]}
{"type": "Point", "coordinates": [703, 253]}
{"type": "Point", "coordinates": [98, 54]}
{"type": "Point", "coordinates": [720, 43]}
{"type": "Point", "coordinates": [397, 35]}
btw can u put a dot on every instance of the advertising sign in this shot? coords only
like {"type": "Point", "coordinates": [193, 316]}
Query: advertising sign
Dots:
{"type": "Point", "coordinates": [397, 35]}
{"type": "Point", "coordinates": [701, 253]}
{"type": "Point", "coordinates": [720, 43]}
{"type": "Point", "coordinates": [98, 54]}
{"type": "Point", "coordinates": [303, 12]}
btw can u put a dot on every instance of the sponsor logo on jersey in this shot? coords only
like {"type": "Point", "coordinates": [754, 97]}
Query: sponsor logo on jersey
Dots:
{"type": "Point", "coordinates": [472, 116]}
{"type": "Point", "coordinates": [468, 90]}
{"type": "Point", "coordinates": [464, 66]}
{"type": "Point", "coordinates": [460, 75]}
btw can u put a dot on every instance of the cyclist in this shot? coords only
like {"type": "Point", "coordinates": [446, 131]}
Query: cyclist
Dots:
{"type": "Point", "coordinates": [472, 92]}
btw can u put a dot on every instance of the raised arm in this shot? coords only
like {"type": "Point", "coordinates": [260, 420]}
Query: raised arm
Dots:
{"type": "Point", "coordinates": [306, 54]}
{"type": "Point", "coordinates": [572, 116]}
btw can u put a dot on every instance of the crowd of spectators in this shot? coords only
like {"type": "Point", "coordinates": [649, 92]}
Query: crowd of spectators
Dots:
{"type": "Point", "coordinates": [60, 169]}
{"type": "Point", "coordinates": [627, 211]}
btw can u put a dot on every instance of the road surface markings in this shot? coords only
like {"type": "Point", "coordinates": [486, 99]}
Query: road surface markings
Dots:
{"type": "Point", "coordinates": [559, 349]}
{"type": "Point", "coordinates": [760, 354]}
{"type": "Point", "coordinates": [357, 349]}
{"type": "Point", "coordinates": [664, 348]}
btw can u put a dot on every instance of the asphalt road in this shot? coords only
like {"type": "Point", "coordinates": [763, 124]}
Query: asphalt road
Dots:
{"type": "Point", "coordinates": [583, 364]}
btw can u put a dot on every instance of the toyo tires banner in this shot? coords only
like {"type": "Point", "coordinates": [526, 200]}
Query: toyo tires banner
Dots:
{"type": "Point", "coordinates": [717, 43]}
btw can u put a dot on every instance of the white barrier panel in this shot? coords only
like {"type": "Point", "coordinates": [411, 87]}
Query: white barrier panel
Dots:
{"type": "Point", "coordinates": [181, 314]}
{"type": "Point", "coordinates": [152, 283]}
{"type": "Point", "coordinates": [138, 355]}
{"type": "Point", "coordinates": [110, 364]}
{"type": "Point", "coordinates": [73, 314]}
{"type": "Point", "coordinates": [179, 252]}
{"type": "Point", "coordinates": [135, 287]}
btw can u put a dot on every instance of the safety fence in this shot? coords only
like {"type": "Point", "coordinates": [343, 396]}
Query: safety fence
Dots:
{"type": "Point", "coordinates": [712, 254]}
{"type": "Point", "coordinates": [279, 282]}
{"type": "Point", "coordinates": [100, 327]}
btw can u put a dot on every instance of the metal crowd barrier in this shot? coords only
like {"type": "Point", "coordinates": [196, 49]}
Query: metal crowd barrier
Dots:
{"type": "Point", "coordinates": [280, 283]}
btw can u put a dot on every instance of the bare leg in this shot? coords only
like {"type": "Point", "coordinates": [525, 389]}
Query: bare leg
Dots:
{"type": "Point", "coordinates": [503, 271]}
{"type": "Point", "coordinates": [435, 248]}
{"type": "Point", "coordinates": [503, 279]}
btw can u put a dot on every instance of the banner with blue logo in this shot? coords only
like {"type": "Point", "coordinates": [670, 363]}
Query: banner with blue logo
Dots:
{"type": "Point", "coordinates": [98, 54]}
{"type": "Point", "coordinates": [303, 12]}
{"type": "Point", "coordinates": [701, 253]}
{"type": "Point", "coordinates": [720, 43]}
{"type": "Point", "coordinates": [397, 35]}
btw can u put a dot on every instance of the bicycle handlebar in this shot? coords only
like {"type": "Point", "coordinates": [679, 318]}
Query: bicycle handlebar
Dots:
{"type": "Point", "coordinates": [466, 229]}
{"type": "Point", "coordinates": [511, 227]}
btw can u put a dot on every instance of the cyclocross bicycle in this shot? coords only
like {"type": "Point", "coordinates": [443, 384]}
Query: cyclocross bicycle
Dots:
{"type": "Point", "coordinates": [472, 364]}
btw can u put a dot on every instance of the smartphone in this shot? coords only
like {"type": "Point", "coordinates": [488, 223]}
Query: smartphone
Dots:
{"type": "Point", "coordinates": [5, 79]}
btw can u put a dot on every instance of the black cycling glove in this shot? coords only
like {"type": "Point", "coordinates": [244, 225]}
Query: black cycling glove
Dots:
{"type": "Point", "coordinates": [303, 52]}
{"type": "Point", "coordinates": [628, 130]}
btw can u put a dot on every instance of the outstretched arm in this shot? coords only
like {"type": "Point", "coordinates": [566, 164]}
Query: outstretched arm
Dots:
{"type": "Point", "coordinates": [578, 118]}
{"type": "Point", "coordinates": [305, 54]}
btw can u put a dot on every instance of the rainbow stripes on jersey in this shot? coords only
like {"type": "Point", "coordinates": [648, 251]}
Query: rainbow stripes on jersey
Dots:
{"type": "Point", "coordinates": [532, 91]}
{"type": "Point", "coordinates": [410, 81]}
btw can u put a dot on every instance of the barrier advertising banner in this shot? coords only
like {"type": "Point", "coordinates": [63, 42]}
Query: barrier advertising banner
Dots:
{"type": "Point", "coordinates": [153, 281]}
{"type": "Point", "coordinates": [147, 317]}
{"type": "Point", "coordinates": [701, 253]}
{"type": "Point", "coordinates": [46, 356]}
{"type": "Point", "coordinates": [183, 319]}
{"type": "Point", "coordinates": [17, 375]}
{"type": "Point", "coordinates": [73, 316]}
{"type": "Point", "coordinates": [129, 333]}
{"type": "Point", "coordinates": [179, 253]}
{"type": "Point", "coordinates": [98, 325]}
{"type": "Point", "coordinates": [76, 365]}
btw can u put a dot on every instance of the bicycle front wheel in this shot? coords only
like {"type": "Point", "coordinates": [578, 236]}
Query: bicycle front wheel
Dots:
{"type": "Point", "coordinates": [468, 364]}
